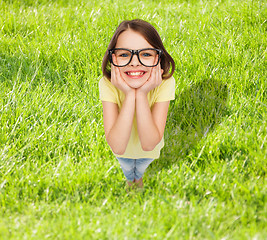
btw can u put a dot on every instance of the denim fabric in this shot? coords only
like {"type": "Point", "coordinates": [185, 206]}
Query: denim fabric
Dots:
{"type": "Point", "coordinates": [134, 168]}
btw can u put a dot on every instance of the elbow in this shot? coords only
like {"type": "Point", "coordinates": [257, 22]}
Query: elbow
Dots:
{"type": "Point", "coordinates": [118, 150]}
{"type": "Point", "coordinates": [150, 147]}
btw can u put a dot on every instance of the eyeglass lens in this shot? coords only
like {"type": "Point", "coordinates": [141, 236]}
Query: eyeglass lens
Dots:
{"type": "Point", "coordinates": [147, 57]}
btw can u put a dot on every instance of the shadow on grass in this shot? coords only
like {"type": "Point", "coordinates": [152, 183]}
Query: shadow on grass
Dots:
{"type": "Point", "coordinates": [192, 115]}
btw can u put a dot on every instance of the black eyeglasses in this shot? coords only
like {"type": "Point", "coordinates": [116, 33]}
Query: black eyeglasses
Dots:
{"type": "Point", "coordinates": [149, 57]}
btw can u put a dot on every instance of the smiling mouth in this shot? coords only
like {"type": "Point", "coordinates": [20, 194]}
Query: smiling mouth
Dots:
{"type": "Point", "coordinates": [135, 73]}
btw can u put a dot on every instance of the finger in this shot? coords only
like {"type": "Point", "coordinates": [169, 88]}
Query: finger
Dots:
{"type": "Point", "coordinates": [118, 74]}
{"type": "Point", "coordinates": [159, 75]}
{"type": "Point", "coordinates": [152, 74]}
{"type": "Point", "coordinates": [161, 70]}
{"type": "Point", "coordinates": [156, 59]}
{"type": "Point", "coordinates": [116, 68]}
{"type": "Point", "coordinates": [113, 67]}
{"type": "Point", "coordinates": [114, 59]}
{"type": "Point", "coordinates": [111, 70]}
{"type": "Point", "coordinates": [157, 69]}
{"type": "Point", "coordinates": [113, 74]}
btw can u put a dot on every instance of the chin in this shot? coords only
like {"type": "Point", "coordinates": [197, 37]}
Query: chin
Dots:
{"type": "Point", "coordinates": [136, 85]}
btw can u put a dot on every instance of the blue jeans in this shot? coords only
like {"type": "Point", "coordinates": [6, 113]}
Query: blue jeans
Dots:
{"type": "Point", "coordinates": [134, 168]}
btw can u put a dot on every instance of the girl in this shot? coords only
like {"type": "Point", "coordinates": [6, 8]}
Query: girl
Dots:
{"type": "Point", "coordinates": [136, 91]}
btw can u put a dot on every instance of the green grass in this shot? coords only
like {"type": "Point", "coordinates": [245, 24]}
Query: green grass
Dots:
{"type": "Point", "coordinates": [58, 177]}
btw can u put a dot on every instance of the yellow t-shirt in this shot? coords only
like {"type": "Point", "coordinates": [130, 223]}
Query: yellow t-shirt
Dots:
{"type": "Point", "coordinates": [164, 92]}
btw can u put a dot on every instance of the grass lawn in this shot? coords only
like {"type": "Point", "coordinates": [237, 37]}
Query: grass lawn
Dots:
{"type": "Point", "coordinates": [59, 178]}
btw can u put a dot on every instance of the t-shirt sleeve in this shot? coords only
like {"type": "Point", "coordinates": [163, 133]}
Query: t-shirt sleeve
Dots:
{"type": "Point", "coordinates": [166, 91]}
{"type": "Point", "coordinates": [107, 91]}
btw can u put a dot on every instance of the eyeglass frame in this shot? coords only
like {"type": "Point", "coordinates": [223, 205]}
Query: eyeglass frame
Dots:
{"type": "Point", "coordinates": [134, 52]}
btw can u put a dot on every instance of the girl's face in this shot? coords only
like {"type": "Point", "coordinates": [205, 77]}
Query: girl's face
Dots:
{"type": "Point", "coordinates": [134, 74]}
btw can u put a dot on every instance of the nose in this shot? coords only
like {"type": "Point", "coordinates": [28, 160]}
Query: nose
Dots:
{"type": "Point", "coordinates": [135, 61]}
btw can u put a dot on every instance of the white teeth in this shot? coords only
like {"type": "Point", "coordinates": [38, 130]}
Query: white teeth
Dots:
{"type": "Point", "coordinates": [135, 73]}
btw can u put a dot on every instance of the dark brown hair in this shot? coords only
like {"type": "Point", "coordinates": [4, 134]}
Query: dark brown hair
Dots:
{"type": "Point", "coordinates": [152, 37]}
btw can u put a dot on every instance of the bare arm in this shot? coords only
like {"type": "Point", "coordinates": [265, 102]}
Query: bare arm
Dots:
{"type": "Point", "coordinates": [150, 122]}
{"type": "Point", "coordinates": [118, 124]}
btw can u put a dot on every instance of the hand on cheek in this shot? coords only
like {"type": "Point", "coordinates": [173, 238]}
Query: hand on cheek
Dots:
{"type": "Point", "coordinates": [118, 81]}
{"type": "Point", "coordinates": [153, 81]}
